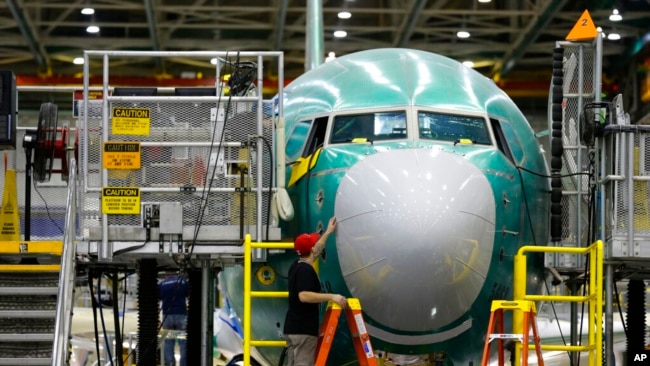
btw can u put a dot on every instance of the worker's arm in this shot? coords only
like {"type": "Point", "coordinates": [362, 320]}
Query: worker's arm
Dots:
{"type": "Point", "coordinates": [316, 297]}
{"type": "Point", "coordinates": [320, 244]}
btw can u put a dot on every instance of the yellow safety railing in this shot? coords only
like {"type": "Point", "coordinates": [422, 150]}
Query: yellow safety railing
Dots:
{"type": "Point", "coordinates": [594, 298]}
{"type": "Point", "coordinates": [248, 295]}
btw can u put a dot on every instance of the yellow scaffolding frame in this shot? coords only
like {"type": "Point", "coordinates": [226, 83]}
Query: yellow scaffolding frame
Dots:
{"type": "Point", "coordinates": [594, 298]}
{"type": "Point", "coordinates": [248, 295]}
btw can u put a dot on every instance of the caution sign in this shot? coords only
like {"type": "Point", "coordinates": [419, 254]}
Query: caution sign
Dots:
{"type": "Point", "coordinates": [121, 155]}
{"type": "Point", "coordinates": [94, 100]}
{"type": "Point", "coordinates": [10, 229]}
{"type": "Point", "coordinates": [121, 200]}
{"type": "Point", "coordinates": [131, 121]}
{"type": "Point", "coordinates": [584, 29]}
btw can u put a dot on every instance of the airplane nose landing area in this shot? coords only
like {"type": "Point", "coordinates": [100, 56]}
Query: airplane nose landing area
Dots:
{"type": "Point", "coordinates": [415, 236]}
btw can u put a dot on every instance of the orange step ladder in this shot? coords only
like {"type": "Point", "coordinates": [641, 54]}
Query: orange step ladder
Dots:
{"type": "Point", "coordinates": [361, 339]}
{"type": "Point", "coordinates": [496, 318]}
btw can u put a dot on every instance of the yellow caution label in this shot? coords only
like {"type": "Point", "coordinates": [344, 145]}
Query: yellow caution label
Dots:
{"type": "Point", "coordinates": [121, 155]}
{"type": "Point", "coordinates": [131, 121]}
{"type": "Point", "coordinates": [121, 200]}
{"type": "Point", "coordinates": [9, 219]}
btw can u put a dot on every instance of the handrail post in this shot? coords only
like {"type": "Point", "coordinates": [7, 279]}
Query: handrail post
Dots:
{"type": "Point", "coordinates": [62, 325]}
{"type": "Point", "coordinates": [247, 300]}
{"type": "Point", "coordinates": [594, 297]}
{"type": "Point", "coordinates": [519, 293]}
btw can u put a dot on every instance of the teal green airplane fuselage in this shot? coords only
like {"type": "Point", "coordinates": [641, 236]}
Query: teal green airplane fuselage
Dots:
{"type": "Point", "coordinates": [426, 165]}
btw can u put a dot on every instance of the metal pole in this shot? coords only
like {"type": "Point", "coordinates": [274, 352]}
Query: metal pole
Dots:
{"type": "Point", "coordinates": [259, 255]}
{"type": "Point", "coordinates": [205, 282]}
{"type": "Point", "coordinates": [105, 250]}
{"type": "Point", "coordinates": [314, 42]}
{"type": "Point", "coordinates": [247, 300]}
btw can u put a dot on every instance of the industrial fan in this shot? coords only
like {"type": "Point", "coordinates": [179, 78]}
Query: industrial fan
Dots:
{"type": "Point", "coordinates": [45, 144]}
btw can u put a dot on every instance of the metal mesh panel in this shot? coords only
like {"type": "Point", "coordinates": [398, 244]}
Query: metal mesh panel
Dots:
{"type": "Point", "coordinates": [203, 155]}
{"type": "Point", "coordinates": [631, 206]}
{"type": "Point", "coordinates": [578, 87]}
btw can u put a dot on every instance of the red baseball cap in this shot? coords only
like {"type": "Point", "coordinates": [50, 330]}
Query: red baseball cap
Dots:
{"type": "Point", "coordinates": [304, 243]}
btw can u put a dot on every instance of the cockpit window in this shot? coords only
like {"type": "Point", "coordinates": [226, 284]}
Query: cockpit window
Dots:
{"type": "Point", "coordinates": [451, 127]}
{"type": "Point", "coordinates": [370, 126]}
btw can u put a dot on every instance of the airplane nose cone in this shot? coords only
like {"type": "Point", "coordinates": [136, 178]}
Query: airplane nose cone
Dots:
{"type": "Point", "coordinates": [415, 236]}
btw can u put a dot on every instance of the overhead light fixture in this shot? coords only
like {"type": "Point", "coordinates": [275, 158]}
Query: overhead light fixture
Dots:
{"type": "Point", "coordinates": [462, 34]}
{"type": "Point", "coordinates": [615, 16]}
{"type": "Point", "coordinates": [340, 34]}
{"type": "Point", "coordinates": [214, 61]}
{"type": "Point", "coordinates": [92, 29]}
{"type": "Point", "coordinates": [87, 11]}
{"type": "Point", "coordinates": [78, 61]}
{"type": "Point", "coordinates": [344, 15]}
{"type": "Point", "coordinates": [600, 30]}
{"type": "Point", "coordinates": [484, 1]}
{"type": "Point", "coordinates": [469, 63]}
{"type": "Point", "coordinates": [330, 57]}
{"type": "Point", "coordinates": [613, 36]}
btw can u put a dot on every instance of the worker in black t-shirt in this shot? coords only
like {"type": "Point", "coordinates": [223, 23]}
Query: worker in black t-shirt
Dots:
{"type": "Point", "coordinates": [301, 322]}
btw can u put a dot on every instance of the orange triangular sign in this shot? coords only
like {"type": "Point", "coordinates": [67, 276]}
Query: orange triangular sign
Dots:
{"type": "Point", "coordinates": [584, 29]}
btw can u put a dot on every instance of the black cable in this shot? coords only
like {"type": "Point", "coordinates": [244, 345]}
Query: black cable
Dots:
{"type": "Point", "coordinates": [620, 311]}
{"type": "Point", "coordinates": [126, 292]}
{"type": "Point", "coordinates": [523, 191]}
{"type": "Point", "coordinates": [207, 185]}
{"type": "Point", "coordinates": [268, 209]}
{"type": "Point", "coordinates": [125, 250]}
{"type": "Point", "coordinates": [93, 302]}
{"type": "Point", "coordinates": [557, 319]}
{"type": "Point", "coordinates": [550, 176]}
{"type": "Point", "coordinates": [101, 316]}
{"type": "Point", "coordinates": [47, 209]}
{"type": "Point", "coordinates": [116, 322]}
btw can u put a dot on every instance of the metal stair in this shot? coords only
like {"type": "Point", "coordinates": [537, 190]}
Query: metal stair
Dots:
{"type": "Point", "coordinates": [29, 284]}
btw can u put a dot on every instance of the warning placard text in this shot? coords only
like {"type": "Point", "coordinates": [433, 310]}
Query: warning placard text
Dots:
{"type": "Point", "coordinates": [131, 121]}
{"type": "Point", "coordinates": [121, 200]}
{"type": "Point", "coordinates": [121, 155]}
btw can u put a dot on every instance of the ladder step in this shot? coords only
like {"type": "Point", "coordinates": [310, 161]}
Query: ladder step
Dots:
{"type": "Point", "coordinates": [506, 336]}
{"type": "Point", "coordinates": [13, 291]}
{"type": "Point", "coordinates": [31, 247]}
{"type": "Point", "coordinates": [30, 268]}
{"type": "Point", "coordinates": [27, 313]}
{"type": "Point", "coordinates": [24, 337]}
{"type": "Point", "coordinates": [26, 361]}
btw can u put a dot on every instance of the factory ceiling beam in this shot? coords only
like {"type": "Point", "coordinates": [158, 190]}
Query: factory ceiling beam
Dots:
{"type": "Point", "coordinates": [279, 27]}
{"type": "Point", "coordinates": [152, 23]}
{"type": "Point", "coordinates": [409, 21]}
{"type": "Point", "coordinates": [527, 37]}
{"type": "Point", "coordinates": [28, 32]}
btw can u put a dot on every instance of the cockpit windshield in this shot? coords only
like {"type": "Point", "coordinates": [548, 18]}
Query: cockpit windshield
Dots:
{"type": "Point", "coordinates": [369, 127]}
{"type": "Point", "coordinates": [452, 127]}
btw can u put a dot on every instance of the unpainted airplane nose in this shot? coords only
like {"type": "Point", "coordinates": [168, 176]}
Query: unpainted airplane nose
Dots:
{"type": "Point", "coordinates": [415, 236]}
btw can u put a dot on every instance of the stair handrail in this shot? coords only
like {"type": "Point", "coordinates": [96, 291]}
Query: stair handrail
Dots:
{"type": "Point", "coordinates": [63, 323]}
{"type": "Point", "coordinates": [249, 294]}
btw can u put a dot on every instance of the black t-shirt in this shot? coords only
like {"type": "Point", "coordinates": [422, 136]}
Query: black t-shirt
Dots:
{"type": "Point", "coordinates": [302, 318]}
